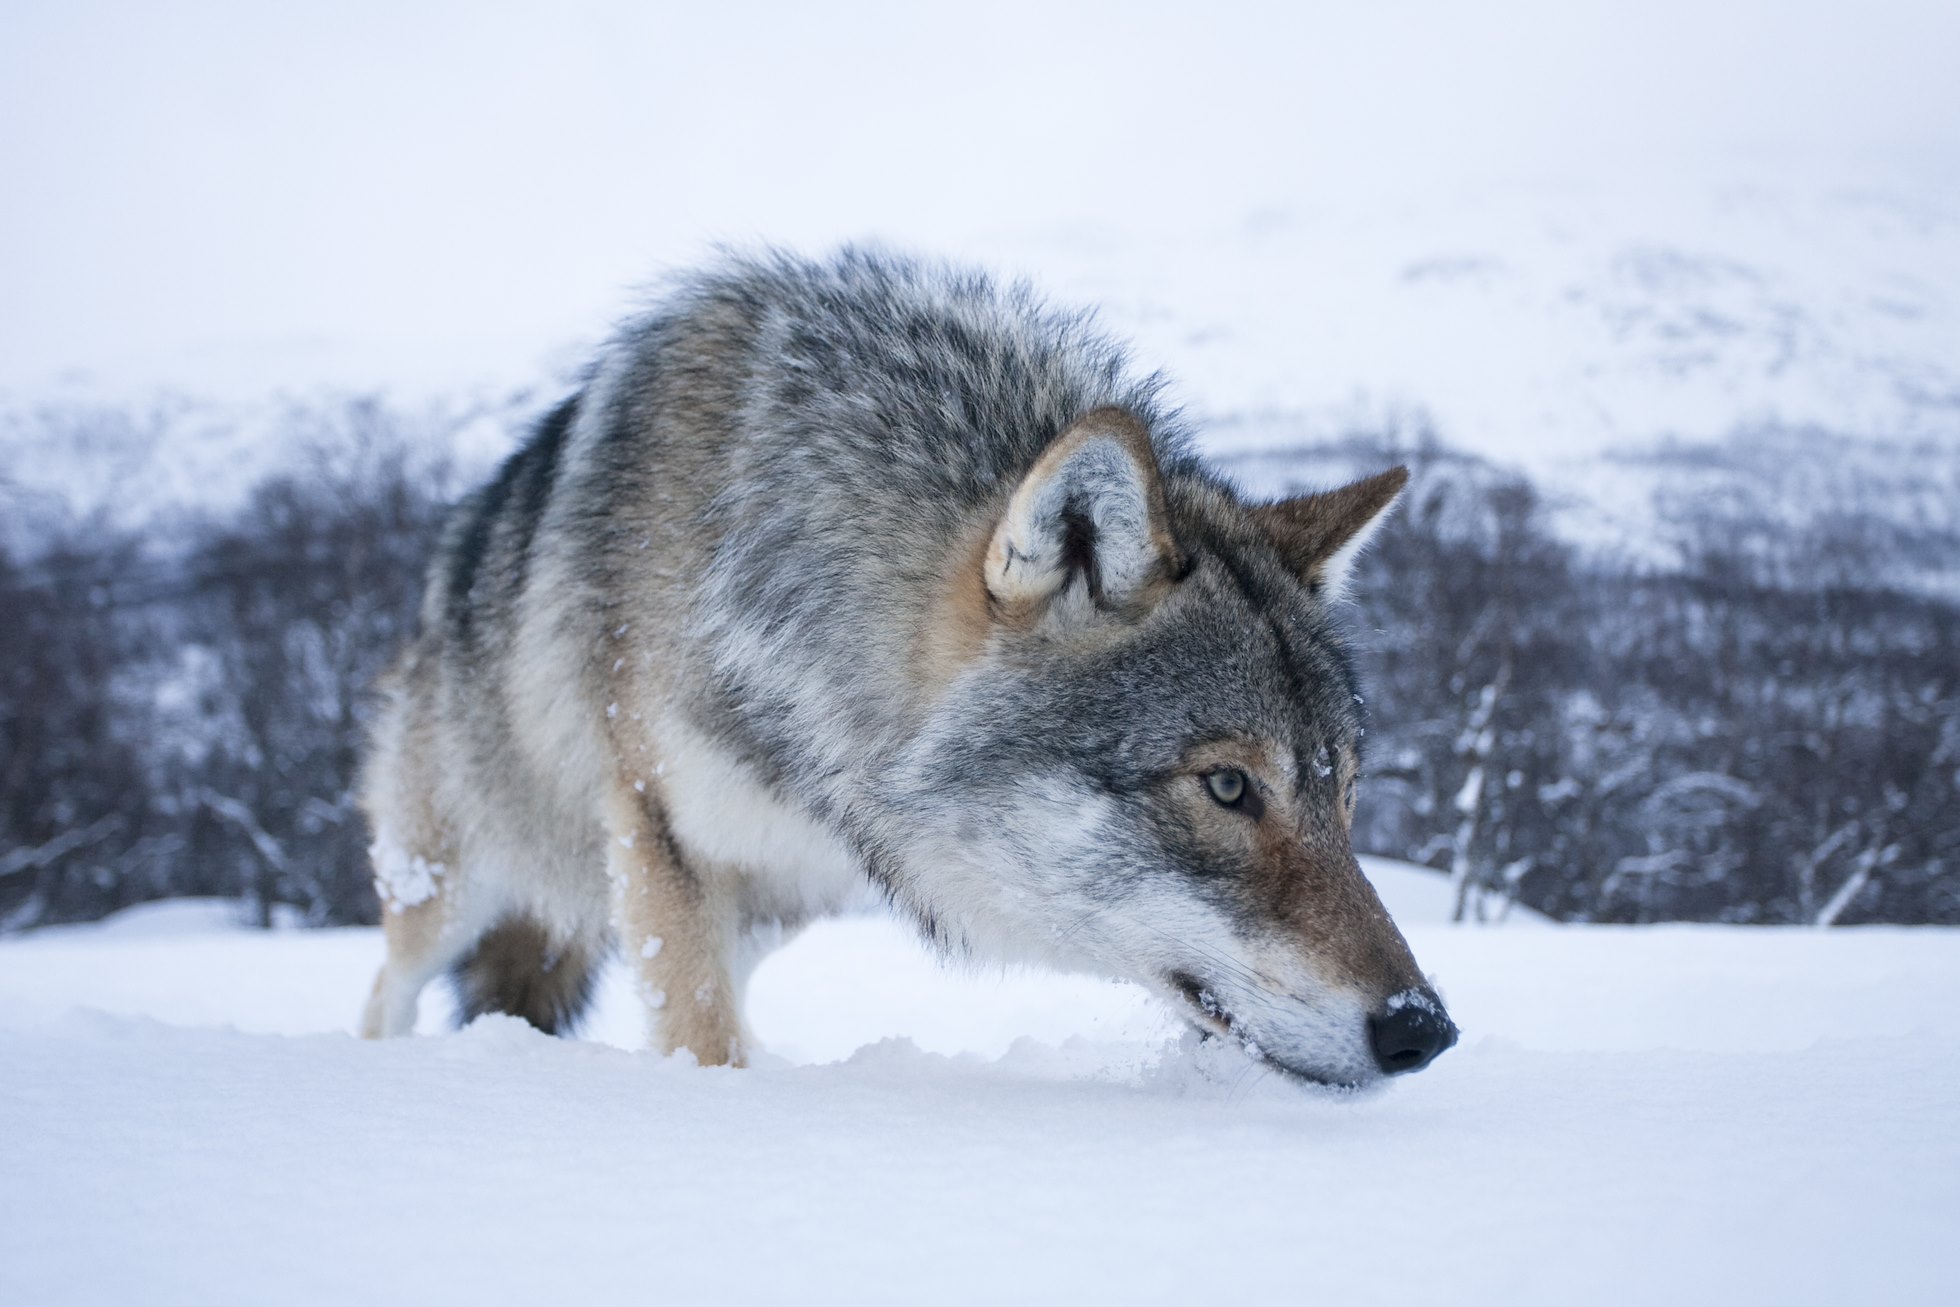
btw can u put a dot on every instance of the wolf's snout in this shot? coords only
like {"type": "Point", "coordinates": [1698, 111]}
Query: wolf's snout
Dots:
{"type": "Point", "coordinates": [1411, 1034]}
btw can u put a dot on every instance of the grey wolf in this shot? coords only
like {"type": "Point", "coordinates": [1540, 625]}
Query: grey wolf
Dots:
{"type": "Point", "coordinates": [869, 578]}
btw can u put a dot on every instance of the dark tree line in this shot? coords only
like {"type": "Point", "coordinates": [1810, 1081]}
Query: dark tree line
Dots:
{"type": "Point", "coordinates": [182, 713]}
{"type": "Point", "coordinates": [1764, 728]}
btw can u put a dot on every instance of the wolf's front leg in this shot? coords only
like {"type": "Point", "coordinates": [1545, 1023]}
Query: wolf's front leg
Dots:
{"type": "Point", "coordinates": [669, 934]}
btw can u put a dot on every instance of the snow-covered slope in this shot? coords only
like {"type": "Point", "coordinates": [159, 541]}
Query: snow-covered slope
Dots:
{"type": "Point", "coordinates": [1552, 229]}
{"type": "Point", "coordinates": [1696, 1114]}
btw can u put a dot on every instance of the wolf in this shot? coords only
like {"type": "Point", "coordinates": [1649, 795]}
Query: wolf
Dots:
{"type": "Point", "coordinates": [866, 577]}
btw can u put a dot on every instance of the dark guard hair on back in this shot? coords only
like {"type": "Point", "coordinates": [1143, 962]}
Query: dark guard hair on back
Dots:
{"type": "Point", "coordinates": [509, 506]}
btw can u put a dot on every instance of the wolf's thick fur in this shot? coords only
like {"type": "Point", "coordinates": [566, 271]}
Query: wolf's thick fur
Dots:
{"type": "Point", "coordinates": [866, 577]}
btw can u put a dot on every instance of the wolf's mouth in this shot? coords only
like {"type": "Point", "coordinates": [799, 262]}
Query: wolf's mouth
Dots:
{"type": "Point", "coordinates": [1214, 1022]}
{"type": "Point", "coordinates": [1214, 1018]}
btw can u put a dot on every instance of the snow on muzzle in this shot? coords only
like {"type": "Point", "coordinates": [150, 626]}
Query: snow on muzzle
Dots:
{"type": "Point", "coordinates": [1313, 976]}
{"type": "Point", "coordinates": [1412, 1031]}
{"type": "Point", "coordinates": [1326, 1037]}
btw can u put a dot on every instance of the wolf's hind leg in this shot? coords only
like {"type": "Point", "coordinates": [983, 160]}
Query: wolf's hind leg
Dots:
{"type": "Point", "coordinates": [670, 936]}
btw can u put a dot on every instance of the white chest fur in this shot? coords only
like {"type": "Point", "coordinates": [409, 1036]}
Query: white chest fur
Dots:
{"type": "Point", "coordinates": [723, 814]}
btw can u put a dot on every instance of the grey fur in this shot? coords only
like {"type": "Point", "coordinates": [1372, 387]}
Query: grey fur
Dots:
{"type": "Point", "coordinates": [731, 583]}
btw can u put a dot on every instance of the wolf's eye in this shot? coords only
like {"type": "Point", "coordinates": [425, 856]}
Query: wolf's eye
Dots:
{"type": "Point", "coordinates": [1227, 786]}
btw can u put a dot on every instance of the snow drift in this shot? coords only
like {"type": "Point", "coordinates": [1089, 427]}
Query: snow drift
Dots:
{"type": "Point", "coordinates": [1701, 1114]}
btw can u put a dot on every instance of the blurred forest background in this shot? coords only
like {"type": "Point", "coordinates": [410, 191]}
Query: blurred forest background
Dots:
{"type": "Point", "coordinates": [1660, 302]}
{"type": "Point", "coordinates": [1754, 717]}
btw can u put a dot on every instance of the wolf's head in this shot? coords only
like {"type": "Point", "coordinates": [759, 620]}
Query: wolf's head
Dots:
{"type": "Point", "coordinates": [1146, 758]}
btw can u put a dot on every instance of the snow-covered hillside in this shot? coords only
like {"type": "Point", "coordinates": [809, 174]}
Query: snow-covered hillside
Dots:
{"type": "Point", "coordinates": [1696, 1114]}
{"type": "Point", "coordinates": [1557, 329]}
{"type": "Point", "coordinates": [1552, 229]}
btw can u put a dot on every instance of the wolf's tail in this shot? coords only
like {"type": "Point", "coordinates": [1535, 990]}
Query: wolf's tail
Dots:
{"type": "Point", "coordinates": [517, 967]}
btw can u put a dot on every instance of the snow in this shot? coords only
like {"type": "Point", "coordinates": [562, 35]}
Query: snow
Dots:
{"type": "Point", "coordinates": [403, 879]}
{"type": "Point", "coordinates": [1699, 1114]}
{"type": "Point", "coordinates": [1554, 230]}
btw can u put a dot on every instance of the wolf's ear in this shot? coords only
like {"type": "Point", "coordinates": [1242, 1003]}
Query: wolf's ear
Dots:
{"type": "Point", "coordinates": [1321, 535]}
{"type": "Point", "coordinates": [1091, 510]}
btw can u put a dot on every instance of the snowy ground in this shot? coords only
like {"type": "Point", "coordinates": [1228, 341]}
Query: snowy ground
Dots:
{"type": "Point", "coordinates": [1695, 1114]}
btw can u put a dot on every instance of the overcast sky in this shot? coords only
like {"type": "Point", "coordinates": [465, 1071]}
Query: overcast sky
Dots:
{"type": "Point", "coordinates": [200, 193]}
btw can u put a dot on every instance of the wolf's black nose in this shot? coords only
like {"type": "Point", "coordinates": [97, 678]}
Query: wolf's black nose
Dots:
{"type": "Point", "coordinates": [1410, 1037]}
